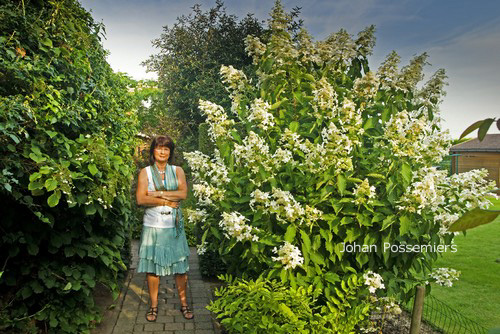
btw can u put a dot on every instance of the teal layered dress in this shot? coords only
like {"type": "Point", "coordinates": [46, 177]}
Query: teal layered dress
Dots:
{"type": "Point", "coordinates": [164, 249]}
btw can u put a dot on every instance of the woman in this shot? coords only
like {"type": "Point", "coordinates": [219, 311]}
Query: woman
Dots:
{"type": "Point", "coordinates": [164, 249]}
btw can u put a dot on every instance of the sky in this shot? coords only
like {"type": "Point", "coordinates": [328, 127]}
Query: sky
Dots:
{"type": "Point", "coordinates": [461, 36]}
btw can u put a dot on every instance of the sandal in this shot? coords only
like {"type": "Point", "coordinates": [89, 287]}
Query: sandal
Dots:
{"type": "Point", "coordinates": [185, 311]}
{"type": "Point", "coordinates": [153, 311]}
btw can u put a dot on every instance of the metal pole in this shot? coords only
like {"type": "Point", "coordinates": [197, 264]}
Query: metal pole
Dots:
{"type": "Point", "coordinates": [418, 308]}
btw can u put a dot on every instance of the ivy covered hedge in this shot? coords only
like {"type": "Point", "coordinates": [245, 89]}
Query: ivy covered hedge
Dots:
{"type": "Point", "coordinates": [66, 141]}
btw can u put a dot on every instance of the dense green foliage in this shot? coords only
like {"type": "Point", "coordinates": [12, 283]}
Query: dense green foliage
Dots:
{"type": "Point", "coordinates": [191, 53]}
{"type": "Point", "coordinates": [67, 134]}
{"type": "Point", "coordinates": [270, 306]}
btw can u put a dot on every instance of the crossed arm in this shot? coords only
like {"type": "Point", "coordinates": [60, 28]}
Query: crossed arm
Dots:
{"type": "Point", "coordinates": [157, 198]}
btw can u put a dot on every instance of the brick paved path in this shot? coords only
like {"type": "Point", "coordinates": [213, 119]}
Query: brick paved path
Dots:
{"type": "Point", "coordinates": [134, 304]}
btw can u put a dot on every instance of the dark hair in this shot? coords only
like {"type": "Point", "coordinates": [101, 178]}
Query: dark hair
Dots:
{"type": "Point", "coordinates": [161, 141]}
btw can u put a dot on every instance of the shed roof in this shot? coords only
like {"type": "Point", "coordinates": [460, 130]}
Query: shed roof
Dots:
{"type": "Point", "coordinates": [490, 143]}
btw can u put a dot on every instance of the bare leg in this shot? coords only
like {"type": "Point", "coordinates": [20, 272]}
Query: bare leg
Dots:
{"type": "Point", "coordinates": [181, 282]}
{"type": "Point", "coordinates": [153, 285]}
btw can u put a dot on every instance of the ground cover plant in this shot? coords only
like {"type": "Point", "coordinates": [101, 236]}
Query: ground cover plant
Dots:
{"type": "Point", "coordinates": [66, 140]}
{"type": "Point", "coordinates": [475, 295]}
{"type": "Point", "coordinates": [327, 152]}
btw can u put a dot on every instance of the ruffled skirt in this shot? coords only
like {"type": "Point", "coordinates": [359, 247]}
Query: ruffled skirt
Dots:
{"type": "Point", "coordinates": [162, 253]}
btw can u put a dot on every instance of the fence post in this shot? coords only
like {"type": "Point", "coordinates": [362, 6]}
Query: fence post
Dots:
{"type": "Point", "coordinates": [418, 308]}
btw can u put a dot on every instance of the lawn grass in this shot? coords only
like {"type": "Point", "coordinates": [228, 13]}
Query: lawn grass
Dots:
{"type": "Point", "coordinates": [477, 293]}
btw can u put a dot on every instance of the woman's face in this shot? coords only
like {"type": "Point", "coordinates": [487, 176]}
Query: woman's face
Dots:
{"type": "Point", "coordinates": [161, 153]}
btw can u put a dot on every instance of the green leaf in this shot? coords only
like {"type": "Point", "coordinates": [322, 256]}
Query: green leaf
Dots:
{"type": "Point", "coordinates": [37, 158]}
{"type": "Point", "coordinates": [306, 241]}
{"type": "Point", "coordinates": [483, 129]}
{"type": "Point", "coordinates": [474, 218]}
{"type": "Point", "coordinates": [290, 233]}
{"type": "Point", "coordinates": [47, 42]}
{"type": "Point", "coordinates": [26, 292]}
{"type": "Point", "coordinates": [68, 286]}
{"type": "Point", "coordinates": [53, 199]}
{"type": "Point", "coordinates": [406, 173]}
{"type": "Point", "coordinates": [93, 169]}
{"type": "Point", "coordinates": [405, 225]}
{"type": "Point", "coordinates": [294, 126]}
{"type": "Point", "coordinates": [33, 249]}
{"type": "Point", "coordinates": [341, 183]}
{"type": "Point", "coordinates": [387, 222]}
{"type": "Point", "coordinates": [51, 184]}
{"type": "Point", "coordinates": [471, 128]}
{"type": "Point", "coordinates": [90, 209]}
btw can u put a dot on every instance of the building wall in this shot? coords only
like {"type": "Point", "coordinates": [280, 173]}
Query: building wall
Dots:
{"type": "Point", "coordinates": [476, 160]}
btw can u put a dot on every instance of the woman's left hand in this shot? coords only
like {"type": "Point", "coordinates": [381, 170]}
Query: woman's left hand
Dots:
{"type": "Point", "coordinates": [159, 194]}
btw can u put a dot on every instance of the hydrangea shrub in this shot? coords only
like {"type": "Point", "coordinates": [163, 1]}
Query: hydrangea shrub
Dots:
{"type": "Point", "coordinates": [321, 151]}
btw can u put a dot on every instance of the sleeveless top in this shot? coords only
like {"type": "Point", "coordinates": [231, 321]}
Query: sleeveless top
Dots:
{"type": "Point", "coordinates": [161, 216]}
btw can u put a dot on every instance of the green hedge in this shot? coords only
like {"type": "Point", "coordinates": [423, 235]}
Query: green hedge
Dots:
{"type": "Point", "coordinates": [66, 142]}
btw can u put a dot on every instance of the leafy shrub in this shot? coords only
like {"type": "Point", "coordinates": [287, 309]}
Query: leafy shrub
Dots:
{"type": "Point", "coordinates": [331, 153]}
{"type": "Point", "coordinates": [270, 306]}
{"type": "Point", "coordinates": [67, 135]}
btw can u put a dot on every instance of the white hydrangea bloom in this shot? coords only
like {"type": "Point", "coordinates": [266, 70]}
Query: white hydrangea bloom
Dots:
{"type": "Point", "coordinates": [259, 113]}
{"type": "Point", "coordinates": [445, 276]}
{"type": "Point", "coordinates": [196, 216]}
{"type": "Point", "coordinates": [207, 194]}
{"type": "Point", "coordinates": [234, 226]}
{"type": "Point", "coordinates": [216, 118]}
{"type": "Point", "coordinates": [201, 249]}
{"type": "Point", "coordinates": [364, 192]}
{"type": "Point", "coordinates": [254, 48]}
{"type": "Point", "coordinates": [289, 255]}
{"type": "Point", "coordinates": [374, 281]}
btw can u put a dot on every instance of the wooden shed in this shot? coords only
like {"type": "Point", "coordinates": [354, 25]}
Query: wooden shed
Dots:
{"type": "Point", "coordinates": [475, 154]}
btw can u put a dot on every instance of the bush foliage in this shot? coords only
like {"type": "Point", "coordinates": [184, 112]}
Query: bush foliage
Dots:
{"type": "Point", "coordinates": [326, 152]}
{"type": "Point", "coordinates": [67, 135]}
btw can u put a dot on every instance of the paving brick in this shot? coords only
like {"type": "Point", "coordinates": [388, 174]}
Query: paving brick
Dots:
{"type": "Point", "coordinates": [204, 325]}
{"type": "Point", "coordinates": [174, 326]}
{"type": "Point", "coordinates": [154, 327]}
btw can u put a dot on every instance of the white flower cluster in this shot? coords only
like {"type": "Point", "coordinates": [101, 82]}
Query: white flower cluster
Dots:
{"type": "Point", "coordinates": [388, 72]}
{"type": "Point", "coordinates": [254, 153]}
{"type": "Point", "coordinates": [374, 281]}
{"type": "Point", "coordinates": [196, 216]}
{"type": "Point", "coordinates": [411, 134]}
{"type": "Point", "coordinates": [289, 255]}
{"type": "Point", "coordinates": [207, 194]}
{"type": "Point", "coordinates": [234, 226]}
{"type": "Point", "coordinates": [307, 50]}
{"type": "Point", "coordinates": [367, 86]}
{"type": "Point", "coordinates": [233, 78]}
{"type": "Point", "coordinates": [254, 48]}
{"type": "Point", "coordinates": [333, 151]}
{"type": "Point", "coordinates": [325, 97]}
{"type": "Point", "coordinates": [471, 188]}
{"type": "Point", "coordinates": [235, 81]}
{"type": "Point", "coordinates": [216, 118]}
{"type": "Point", "coordinates": [259, 112]}
{"type": "Point", "coordinates": [282, 156]}
{"type": "Point", "coordinates": [201, 249]}
{"type": "Point", "coordinates": [424, 192]}
{"type": "Point", "coordinates": [283, 204]}
{"type": "Point", "coordinates": [363, 192]}
{"type": "Point", "coordinates": [338, 48]}
{"type": "Point", "coordinates": [390, 306]}
{"type": "Point", "coordinates": [205, 168]}
{"type": "Point", "coordinates": [445, 276]}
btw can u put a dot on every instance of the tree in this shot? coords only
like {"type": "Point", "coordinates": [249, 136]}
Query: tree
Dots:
{"type": "Point", "coordinates": [191, 53]}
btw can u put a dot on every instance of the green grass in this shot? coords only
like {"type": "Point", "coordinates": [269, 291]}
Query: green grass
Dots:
{"type": "Point", "coordinates": [477, 293]}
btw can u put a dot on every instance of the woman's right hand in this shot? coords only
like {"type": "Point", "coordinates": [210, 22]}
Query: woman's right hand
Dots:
{"type": "Point", "coordinates": [171, 204]}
